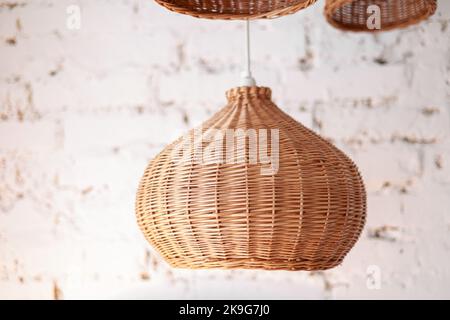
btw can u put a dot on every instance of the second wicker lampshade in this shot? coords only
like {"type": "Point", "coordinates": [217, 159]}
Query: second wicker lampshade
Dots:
{"type": "Point", "coordinates": [352, 15]}
{"type": "Point", "coordinates": [236, 9]}
{"type": "Point", "coordinates": [306, 215]}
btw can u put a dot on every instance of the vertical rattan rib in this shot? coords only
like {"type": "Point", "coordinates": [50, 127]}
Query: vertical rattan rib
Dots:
{"type": "Point", "coordinates": [352, 15]}
{"type": "Point", "coordinates": [236, 9]}
{"type": "Point", "coordinates": [306, 216]}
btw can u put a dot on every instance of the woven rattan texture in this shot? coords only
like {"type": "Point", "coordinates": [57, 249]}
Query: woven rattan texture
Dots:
{"type": "Point", "coordinates": [352, 15]}
{"type": "Point", "coordinates": [235, 9]}
{"type": "Point", "coordinates": [307, 216]}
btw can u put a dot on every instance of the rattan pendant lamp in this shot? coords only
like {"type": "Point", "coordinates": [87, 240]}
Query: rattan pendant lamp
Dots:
{"type": "Point", "coordinates": [352, 15]}
{"type": "Point", "coordinates": [236, 9]}
{"type": "Point", "coordinates": [281, 198]}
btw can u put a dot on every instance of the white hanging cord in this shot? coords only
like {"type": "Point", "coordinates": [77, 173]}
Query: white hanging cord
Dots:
{"type": "Point", "coordinates": [246, 76]}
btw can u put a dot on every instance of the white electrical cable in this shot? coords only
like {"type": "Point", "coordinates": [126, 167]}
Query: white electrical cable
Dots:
{"type": "Point", "coordinates": [247, 79]}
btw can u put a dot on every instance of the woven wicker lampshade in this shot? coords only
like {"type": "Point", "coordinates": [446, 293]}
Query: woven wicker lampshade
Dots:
{"type": "Point", "coordinates": [352, 15]}
{"type": "Point", "coordinates": [236, 9]}
{"type": "Point", "coordinates": [306, 215]}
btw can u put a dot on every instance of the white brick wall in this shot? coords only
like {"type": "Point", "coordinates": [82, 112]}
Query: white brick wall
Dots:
{"type": "Point", "coordinates": [83, 111]}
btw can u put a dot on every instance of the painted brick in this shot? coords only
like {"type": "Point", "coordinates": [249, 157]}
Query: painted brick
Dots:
{"type": "Point", "coordinates": [82, 112]}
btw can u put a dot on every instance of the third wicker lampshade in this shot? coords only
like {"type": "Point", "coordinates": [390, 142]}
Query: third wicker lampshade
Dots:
{"type": "Point", "coordinates": [306, 215]}
{"type": "Point", "coordinates": [236, 9]}
{"type": "Point", "coordinates": [352, 15]}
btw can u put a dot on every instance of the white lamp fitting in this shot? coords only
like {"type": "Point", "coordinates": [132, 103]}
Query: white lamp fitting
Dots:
{"type": "Point", "coordinates": [247, 79]}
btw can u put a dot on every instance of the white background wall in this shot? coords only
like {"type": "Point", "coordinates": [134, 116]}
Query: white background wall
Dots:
{"type": "Point", "coordinates": [83, 111]}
